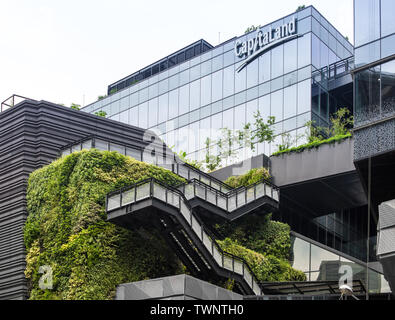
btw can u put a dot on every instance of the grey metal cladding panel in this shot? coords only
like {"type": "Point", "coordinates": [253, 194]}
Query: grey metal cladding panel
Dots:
{"type": "Point", "coordinates": [326, 160]}
{"type": "Point", "coordinates": [387, 214]}
{"type": "Point", "coordinates": [386, 241]}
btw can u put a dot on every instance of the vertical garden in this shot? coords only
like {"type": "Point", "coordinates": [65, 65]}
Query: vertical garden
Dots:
{"type": "Point", "coordinates": [67, 230]}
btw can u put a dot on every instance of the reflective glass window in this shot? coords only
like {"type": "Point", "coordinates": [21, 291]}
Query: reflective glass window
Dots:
{"type": "Point", "coordinates": [194, 95]}
{"type": "Point", "coordinates": [367, 95]}
{"type": "Point", "coordinates": [153, 90]}
{"type": "Point", "coordinates": [316, 48]}
{"type": "Point", "coordinates": [229, 58]}
{"type": "Point", "coordinates": [229, 81]}
{"type": "Point", "coordinates": [304, 96]}
{"type": "Point", "coordinates": [195, 72]}
{"type": "Point", "coordinates": [388, 88]}
{"type": "Point", "coordinates": [325, 261]}
{"type": "Point", "coordinates": [173, 104]}
{"type": "Point", "coordinates": [290, 101]}
{"type": "Point", "coordinates": [240, 80]}
{"type": "Point", "coordinates": [163, 108]}
{"type": "Point", "coordinates": [304, 50]}
{"type": "Point", "coordinates": [206, 68]}
{"type": "Point", "coordinates": [264, 67]}
{"type": "Point", "coordinates": [387, 17]}
{"type": "Point", "coordinates": [300, 254]}
{"type": "Point", "coordinates": [143, 115]}
{"type": "Point", "coordinates": [217, 85]}
{"type": "Point", "coordinates": [252, 74]}
{"type": "Point", "coordinates": [153, 112]}
{"type": "Point", "coordinates": [367, 54]}
{"type": "Point", "coordinates": [228, 119]}
{"type": "Point", "coordinates": [264, 106]}
{"type": "Point", "coordinates": [277, 105]}
{"type": "Point", "coordinates": [205, 97]}
{"type": "Point", "coordinates": [290, 56]}
{"type": "Point", "coordinates": [217, 63]}
{"type": "Point", "coordinates": [184, 99]}
{"type": "Point", "coordinates": [184, 77]}
{"type": "Point", "coordinates": [240, 117]}
{"type": "Point", "coordinates": [366, 21]}
{"type": "Point", "coordinates": [388, 46]}
{"type": "Point", "coordinates": [277, 61]}
{"type": "Point", "coordinates": [134, 116]}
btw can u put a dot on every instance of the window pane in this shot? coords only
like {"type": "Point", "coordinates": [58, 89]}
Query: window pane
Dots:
{"type": "Point", "coordinates": [217, 86]}
{"type": "Point", "coordinates": [163, 108]}
{"type": "Point", "coordinates": [388, 46]}
{"type": "Point", "coordinates": [229, 81]}
{"type": "Point", "coordinates": [290, 101]}
{"type": "Point", "coordinates": [153, 112]}
{"type": "Point", "coordinates": [304, 96]}
{"type": "Point", "coordinates": [277, 61]}
{"type": "Point", "coordinates": [367, 95]}
{"type": "Point", "coordinates": [240, 117]}
{"type": "Point", "coordinates": [367, 54]}
{"type": "Point", "coordinates": [301, 255]}
{"type": "Point", "coordinates": [290, 56]}
{"type": "Point", "coordinates": [388, 88]}
{"type": "Point", "coordinates": [194, 95]}
{"type": "Point", "coordinates": [387, 17]}
{"type": "Point", "coordinates": [367, 21]}
{"type": "Point", "coordinates": [264, 67]}
{"type": "Point", "coordinates": [143, 115]}
{"type": "Point", "coordinates": [277, 105]}
{"type": "Point", "coordinates": [173, 104]}
{"type": "Point", "coordinates": [205, 90]}
{"type": "Point", "coordinates": [184, 99]}
{"type": "Point", "coordinates": [304, 50]}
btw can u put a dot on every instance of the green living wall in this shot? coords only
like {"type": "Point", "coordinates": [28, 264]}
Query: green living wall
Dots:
{"type": "Point", "coordinates": [67, 230]}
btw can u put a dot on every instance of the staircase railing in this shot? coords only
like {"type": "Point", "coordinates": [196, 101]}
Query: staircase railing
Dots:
{"type": "Point", "coordinates": [233, 199]}
{"type": "Point", "coordinates": [152, 188]}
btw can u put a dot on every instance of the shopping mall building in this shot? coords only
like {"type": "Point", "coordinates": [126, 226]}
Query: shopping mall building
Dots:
{"type": "Point", "coordinates": [337, 198]}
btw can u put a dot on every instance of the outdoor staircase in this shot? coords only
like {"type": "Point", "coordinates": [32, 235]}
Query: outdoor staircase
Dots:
{"type": "Point", "coordinates": [175, 212]}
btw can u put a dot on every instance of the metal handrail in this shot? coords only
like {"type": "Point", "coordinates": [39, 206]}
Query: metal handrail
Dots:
{"type": "Point", "coordinates": [152, 182]}
{"type": "Point", "coordinates": [10, 102]}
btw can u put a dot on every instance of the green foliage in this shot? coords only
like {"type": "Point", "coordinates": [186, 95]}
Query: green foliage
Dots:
{"type": "Point", "coordinates": [252, 28]}
{"type": "Point", "coordinates": [264, 244]}
{"type": "Point", "coordinates": [75, 106]}
{"type": "Point", "coordinates": [229, 141]}
{"type": "Point", "coordinates": [66, 228]}
{"type": "Point", "coordinates": [341, 123]}
{"type": "Point", "coordinates": [183, 156]}
{"type": "Point", "coordinates": [211, 161]}
{"type": "Point", "coordinates": [113, 90]}
{"type": "Point", "coordinates": [101, 97]}
{"type": "Point", "coordinates": [314, 144]}
{"type": "Point", "coordinates": [251, 177]}
{"type": "Point", "coordinates": [101, 113]}
{"type": "Point", "coordinates": [263, 130]}
{"type": "Point", "coordinates": [299, 8]}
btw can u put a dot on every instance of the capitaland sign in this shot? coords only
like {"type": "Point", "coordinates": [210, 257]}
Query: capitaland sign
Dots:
{"type": "Point", "coordinates": [264, 41]}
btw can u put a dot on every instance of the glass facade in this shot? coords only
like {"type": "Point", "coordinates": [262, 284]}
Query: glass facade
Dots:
{"type": "Point", "coordinates": [320, 264]}
{"type": "Point", "coordinates": [375, 40]}
{"type": "Point", "coordinates": [193, 100]}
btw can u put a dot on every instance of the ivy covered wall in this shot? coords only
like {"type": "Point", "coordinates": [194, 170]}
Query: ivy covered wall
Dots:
{"type": "Point", "coordinates": [67, 230]}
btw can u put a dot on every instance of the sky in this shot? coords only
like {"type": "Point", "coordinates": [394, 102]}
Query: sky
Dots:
{"type": "Point", "coordinates": [69, 51]}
